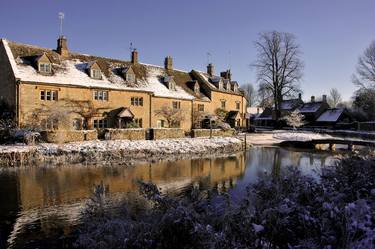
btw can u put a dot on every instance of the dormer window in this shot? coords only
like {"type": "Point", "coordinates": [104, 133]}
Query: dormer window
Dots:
{"type": "Point", "coordinates": [228, 86]}
{"type": "Point", "coordinates": [45, 68]}
{"type": "Point", "coordinates": [96, 74]}
{"type": "Point", "coordinates": [128, 74]}
{"type": "Point", "coordinates": [169, 82]}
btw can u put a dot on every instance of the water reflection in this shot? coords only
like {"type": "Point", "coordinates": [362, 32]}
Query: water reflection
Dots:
{"type": "Point", "coordinates": [41, 202]}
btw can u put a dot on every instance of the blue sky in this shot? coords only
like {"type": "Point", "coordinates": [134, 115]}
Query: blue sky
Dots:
{"type": "Point", "coordinates": [331, 33]}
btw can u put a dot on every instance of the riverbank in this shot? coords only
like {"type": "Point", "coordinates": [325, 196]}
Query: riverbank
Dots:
{"type": "Point", "coordinates": [126, 151]}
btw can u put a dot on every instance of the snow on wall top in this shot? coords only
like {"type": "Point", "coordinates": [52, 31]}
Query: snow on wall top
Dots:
{"type": "Point", "coordinates": [73, 71]}
{"type": "Point", "coordinates": [330, 115]}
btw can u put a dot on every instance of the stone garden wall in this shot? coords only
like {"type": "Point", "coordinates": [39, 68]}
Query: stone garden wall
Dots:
{"type": "Point", "coordinates": [215, 132]}
{"type": "Point", "coordinates": [68, 136]}
{"type": "Point", "coordinates": [125, 134]}
{"type": "Point", "coordinates": [163, 133]}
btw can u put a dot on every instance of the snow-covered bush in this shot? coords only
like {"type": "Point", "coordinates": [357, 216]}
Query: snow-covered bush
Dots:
{"type": "Point", "coordinates": [294, 119]}
{"type": "Point", "coordinates": [289, 210]}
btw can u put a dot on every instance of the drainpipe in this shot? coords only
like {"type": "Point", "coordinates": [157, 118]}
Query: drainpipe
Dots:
{"type": "Point", "coordinates": [192, 114]}
{"type": "Point", "coordinates": [149, 126]}
{"type": "Point", "coordinates": [18, 114]}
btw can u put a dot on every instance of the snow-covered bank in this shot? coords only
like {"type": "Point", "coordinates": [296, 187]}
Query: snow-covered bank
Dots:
{"type": "Point", "coordinates": [278, 136]}
{"type": "Point", "coordinates": [124, 150]}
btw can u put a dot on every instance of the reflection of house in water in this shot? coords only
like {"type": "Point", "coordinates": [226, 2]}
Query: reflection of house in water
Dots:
{"type": "Point", "coordinates": [51, 198]}
{"type": "Point", "coordinates": [46, 187]}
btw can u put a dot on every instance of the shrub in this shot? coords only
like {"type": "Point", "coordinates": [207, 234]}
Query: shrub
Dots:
{"type": "Point", "coordinates": [290, 210]}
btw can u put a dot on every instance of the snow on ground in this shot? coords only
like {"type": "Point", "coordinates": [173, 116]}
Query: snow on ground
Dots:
{"type": "Point", "coordinates": [299, 136]}
{"type": "Point", "coordinates": [275, 137]}
{"type": "Point", "coordinates": [165, 146]}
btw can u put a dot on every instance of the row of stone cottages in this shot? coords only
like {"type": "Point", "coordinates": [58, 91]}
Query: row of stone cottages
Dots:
{"type": "Point", "coordinates": [317, 113]}
{"type": "Point", "coordinates": [43, 86]}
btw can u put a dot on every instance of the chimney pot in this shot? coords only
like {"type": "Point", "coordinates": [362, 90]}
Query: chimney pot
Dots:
{"type": "Point", "coordinates": [324, 98]}
{"type": "Point", "coordinates": [134, 56]}
{"type": "Point", "coordinates": [300, 96]}
{"type": "Point", "coordinates": [312, 98]}
{"type": "Point", "coordinates": [168, 63]}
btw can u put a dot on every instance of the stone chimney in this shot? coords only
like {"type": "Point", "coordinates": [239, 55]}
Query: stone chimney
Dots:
{"type": "Point", "coordinates": [312, 98]}
{"type": "Point", "coordinates": [168, 63]}
{"type": "Point", "coordinates": [226, 75]}
{"type": "Point", "coordinates": [324, 98]}
{"type": "Point", "coordinates": [211, 69]}
{"type": "Point", "coordinates": [62, 46]}
{"type": "Point", "coordinates": [300, 96]}
{"type": "Point", "coordinates": [134, 56]}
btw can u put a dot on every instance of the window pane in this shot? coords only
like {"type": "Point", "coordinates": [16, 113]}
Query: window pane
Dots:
{"type": "Point", "coordinates": [105, 95]}
{"type": "Point", "coordinates": [141, 102]}
{"type": "Point", "coordinates": [48, 94]}
{"type": "Point", "coordinates": [42, 95]}
{"type": "Point", "coordinates": [54, 95]}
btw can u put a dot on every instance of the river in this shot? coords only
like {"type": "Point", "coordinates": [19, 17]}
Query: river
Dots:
{"type": "Point", "coordinates": [40, 202]}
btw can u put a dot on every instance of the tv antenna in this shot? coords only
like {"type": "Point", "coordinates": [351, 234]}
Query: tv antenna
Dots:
{"type": "Point", "coordinates": [209, 57]}
{"type": "Point", "coordinates": [61, 17]}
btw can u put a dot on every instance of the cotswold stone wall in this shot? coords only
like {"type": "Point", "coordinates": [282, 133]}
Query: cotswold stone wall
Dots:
{"type": "Point", "coordinates": [68, 136]}
{"type": "Point", "coordinates": [215, 132]}
{"type": "Point", "coordinates": [163, 133]}
{"type": "Point", "coordinates": [125, 134]}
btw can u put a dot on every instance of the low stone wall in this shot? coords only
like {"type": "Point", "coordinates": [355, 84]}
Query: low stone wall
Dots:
{"type": "Point", "coordinates": [125, 134]}
{"type": "Point", "coordinates": [68, 136]}
{"type": "Point", "coordinates": [164, 133]}
{"type": "Point", "coordinates": [215, 133]}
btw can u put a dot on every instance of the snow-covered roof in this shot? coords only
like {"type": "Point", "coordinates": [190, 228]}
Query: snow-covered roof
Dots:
{"type": "Point", "coordinates": [212, 82]}
{"type": "Point", "coordinates": [290, 104]}
{"type": "Point", "coordinates": [311, 107]}
{"type": "Point", "coordinates": [72, 71]}
{"type": "Point", "coordinates": [331, 115]}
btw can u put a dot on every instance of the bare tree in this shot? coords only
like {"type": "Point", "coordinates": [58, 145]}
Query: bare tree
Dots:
{"type": "Point", "coordinates": [264, 96]}
{"type": "Point", "coordinates": [173, 116]}
{"type": "Point", "coordinates": [279, 67]}
{"type": "Point", "coordinates": [334, 98]}
{"type": "Point", "coordinates": [250, 93]}
{"type": "Point", "coordinates": [365, 76]}
{"type": "Point", "coordinates": [84, 108]}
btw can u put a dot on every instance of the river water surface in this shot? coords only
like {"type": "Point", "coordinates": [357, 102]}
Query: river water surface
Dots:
{"type": "Point", "coordinates": [41, 203]}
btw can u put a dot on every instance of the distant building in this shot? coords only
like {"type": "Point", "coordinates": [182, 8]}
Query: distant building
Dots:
{"type": "Point", "coordinates": [333, 116]}
{"type": "Point", "coordinates": [313, 109]}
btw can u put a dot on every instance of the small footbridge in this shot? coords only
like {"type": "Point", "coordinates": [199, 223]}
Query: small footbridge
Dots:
{"type": "Point", "coordinates": [331, 142]}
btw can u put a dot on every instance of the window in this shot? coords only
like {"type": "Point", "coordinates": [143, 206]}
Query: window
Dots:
{"type": "Point", "coordinates": [138, 121]}
{"type": "Point", "coordinates": [101, 95]}
{"type": "Point", "coordinates": [77, 124]}
{"type": "Point", "coordinates": [136, 101]}
{"type": "Point", "coordinates": [49, 124]}
{"type": "Point", "coordinates": [238, 105]}
{"type": "Point", "coordinates": [49, 95]}
{"type": "Point", "coordinates": [96, 74]}
{"type": "Point", "coordinates": [172, 86]}
{"type": "Point", "coordinates": [160, 123]}
{"type": "Point", "coordinates": [222, 104]}
{"type": "Point", "coordinates": [45, 68]}
{"type": "Point", "coordinates": [196, 88]}
{"type": "Point", "coordinates": [176, 105]}
{"type": "Point", "coordinates": [200, 108]}
{"type": "Point", "coordinates": [130, 77]}
{"type": "Point", "coordinates": [176, 124]}
{"type": "Point", "coordinates": [100, 123]}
